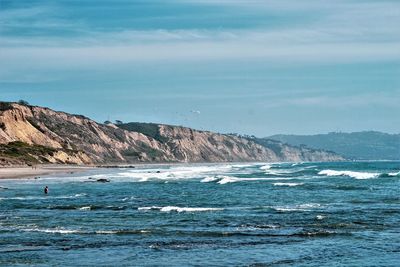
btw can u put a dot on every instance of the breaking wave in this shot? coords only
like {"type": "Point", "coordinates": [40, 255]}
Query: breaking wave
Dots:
{"type": "Point", "coordinates": [225, 179]}
{"type": "Point", "coordinates": [352, 174]}
{"type": "Point", "coordinates": [231, 179]}
{"type": "Point", "coordinates": [121, 232]}
{"type": "Point", "coordinates": [210, 179]}
{"type": "Point", "coordinates": [82, 232]}
{"type": "Point", "coordinates": [301, 207]}
{"type": "Point", "coordinates": [203, 210]}
{"type": "Point", "coordinates": [51, 230]}
{"type": "Point", "coordinates": [266, 167]}
{"type": "Point", "coordinates": [391, 174]}
{"type": "Point", "coordinates": [174, 173]}
{"type": "Point", "coordinates": [178, 209]}
{"type": "Point", "coordinates": [287, 184]}
{"type": "Point", "coordinates": [85, 208]}
{"type": "Point", "coordinates": [358, 175]}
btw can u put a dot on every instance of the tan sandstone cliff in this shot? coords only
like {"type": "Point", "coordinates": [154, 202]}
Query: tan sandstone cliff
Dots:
{"type": "Point", "coordinates": [45, 135]}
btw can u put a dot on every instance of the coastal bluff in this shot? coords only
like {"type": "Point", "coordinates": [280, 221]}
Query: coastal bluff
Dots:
{"type": "Point", "coordinates": [32, 134]}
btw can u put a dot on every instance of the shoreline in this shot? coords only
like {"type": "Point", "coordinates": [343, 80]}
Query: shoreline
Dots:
{"type": "Point", "coordinates": [19, 172]}
{"type": "Point", "coordinates": [25, 172]}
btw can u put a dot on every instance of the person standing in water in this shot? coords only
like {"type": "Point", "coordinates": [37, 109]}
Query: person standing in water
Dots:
{"type": "Point", "coordinates": [46, 190]}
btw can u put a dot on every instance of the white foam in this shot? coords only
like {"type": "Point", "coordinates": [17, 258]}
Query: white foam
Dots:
{"type": "Point", "coordinates": [287, 184]}
{"type": "Point", "coordinates": [353, 174]}
{"type": "Point", "coordinates": [174, 173]}
{"type": "Point", "coordinates": [231, 179]}
{"type": "Point", "coordinates": [111, 232]}
{"type": "Point", "coordinates": [178, 209]}
{"type": "Point", "coordinates": [394, 173]}
{"type": "Point", "coordinates": [224, 179]}
{"type": "Point", "coordinates": [84, 208]}
{"type": "Point", "coordinates": [106, 232]}
{"type": "Point", "coordinates": [320, 217]}
{"type": "Point", "coordinates": [228, 179]}
{"type": "Point", "coordinates": [72, 178]}
{"type": "Point", "coordinates": [301, 207]}
{"type": "Point", "coordinates": [243, 165]}
{"type": "Point", "coordinates": [257, 227]}
{"type": "Point", "coordinates": [210, 179]}
{"type": "Point", "coordinates": [52, 231]}
{"type": "Point", "coordinates": [282, 171]}
{"type": "Point", "coordinates": [266, 167]}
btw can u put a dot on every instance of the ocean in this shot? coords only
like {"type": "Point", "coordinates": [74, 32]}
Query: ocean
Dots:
{"type": "Point", "coordinates": [255, 214]}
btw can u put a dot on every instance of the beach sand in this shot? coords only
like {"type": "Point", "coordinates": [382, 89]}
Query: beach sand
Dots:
{"type": "Point", "coordinates": [40, 170]}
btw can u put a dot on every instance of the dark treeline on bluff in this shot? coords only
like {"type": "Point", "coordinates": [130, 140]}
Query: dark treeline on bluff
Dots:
{"type": "Point", "coordinates": [32, 134]}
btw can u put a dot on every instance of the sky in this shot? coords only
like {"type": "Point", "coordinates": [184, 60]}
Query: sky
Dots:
{"type": "Point", "coordinates": [248, 67]}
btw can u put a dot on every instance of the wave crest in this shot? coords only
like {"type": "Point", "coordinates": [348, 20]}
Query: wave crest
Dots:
{"type": "Point", "coordinates": [266, 167]}
{"type": "Point", "coordinates": [301, 207]}
{"type": "Point", "coordinates": [51, 230]}
{"type": "Point", "coordinates": [352, 174]}
{"type": "Point", "coordinates": [178, 209]}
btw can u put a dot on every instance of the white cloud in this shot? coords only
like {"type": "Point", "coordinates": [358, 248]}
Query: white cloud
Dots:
{"type": "Point", "coordinates": [92, 56]}
{"type": "Point", "coordinates": [345, 32]}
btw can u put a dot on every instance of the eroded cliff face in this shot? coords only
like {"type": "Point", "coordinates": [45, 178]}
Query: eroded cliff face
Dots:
{"type": "Point", "coordinates": [96, 143]}
{"type": "Point", "coordinates": [80, 140]}
{"type": "Point", "coordinates": [197, 146]}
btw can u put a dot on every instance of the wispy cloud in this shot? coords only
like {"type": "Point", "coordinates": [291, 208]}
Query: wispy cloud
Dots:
{"type": "Point", "coordinates": [92, 56]}
{"type": "Point", "coordinates": [345, 32]}
{"type": "Point", "coordinates": [206, 46]}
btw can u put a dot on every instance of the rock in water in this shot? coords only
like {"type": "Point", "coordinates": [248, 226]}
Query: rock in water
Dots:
{"type": "Point", "coordinates": [103, 180]}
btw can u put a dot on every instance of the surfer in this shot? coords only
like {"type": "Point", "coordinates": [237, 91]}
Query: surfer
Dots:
{"type": "Point", "coordinates": [46, 190]}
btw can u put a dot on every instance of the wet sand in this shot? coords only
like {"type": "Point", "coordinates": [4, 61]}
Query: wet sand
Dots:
{"type": "Point", "coordinates": [41, 170]}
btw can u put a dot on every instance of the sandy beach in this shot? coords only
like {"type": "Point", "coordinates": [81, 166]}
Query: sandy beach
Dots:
{"type": "Point", "coordinates": [15, 172]}
{"type": "Point", "coordinates": [41, 170]}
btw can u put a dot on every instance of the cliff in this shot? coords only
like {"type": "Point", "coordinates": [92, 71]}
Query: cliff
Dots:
{"type": "Point", "coordinates": [31, 134]}
{"type": "Point", "coordinates": [367, 145]}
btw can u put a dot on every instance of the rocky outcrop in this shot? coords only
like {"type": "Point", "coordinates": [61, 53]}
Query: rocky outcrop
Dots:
{"type": "Point", "coordinates": [78, 139]}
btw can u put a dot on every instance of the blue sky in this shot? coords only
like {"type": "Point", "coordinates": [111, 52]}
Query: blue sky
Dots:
{"type": "Point", "coordinates": [253, 67]}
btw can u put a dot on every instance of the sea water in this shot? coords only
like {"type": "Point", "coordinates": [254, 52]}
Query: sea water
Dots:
{"type": "Point", "coordinates": [256, 214]}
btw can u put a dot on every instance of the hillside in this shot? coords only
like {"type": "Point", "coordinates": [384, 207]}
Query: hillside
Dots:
{"type": "Point", "coordinates": [302, 153]}
{"type": "Point", "coordinates": [368, 145]}
{"type": "Point", "coordinates": [31, 134]}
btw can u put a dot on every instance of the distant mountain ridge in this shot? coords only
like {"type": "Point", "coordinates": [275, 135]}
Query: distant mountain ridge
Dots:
{"type": "Point", "coordinates": [366, 145]}
{"type": "Point", "coordinates": [32, 134]}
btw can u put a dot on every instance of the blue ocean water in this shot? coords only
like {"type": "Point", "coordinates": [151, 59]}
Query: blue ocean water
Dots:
{"type": "Point", "coordinates": [256, 214]}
